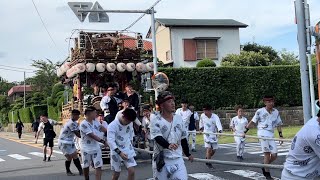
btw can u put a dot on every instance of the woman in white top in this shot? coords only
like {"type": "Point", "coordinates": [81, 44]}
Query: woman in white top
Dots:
{"type": "Point", "coordinates": [238, 125]}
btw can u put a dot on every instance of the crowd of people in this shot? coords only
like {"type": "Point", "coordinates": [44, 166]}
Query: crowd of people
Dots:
{"type": "Point", "coordinates": [170, 132]}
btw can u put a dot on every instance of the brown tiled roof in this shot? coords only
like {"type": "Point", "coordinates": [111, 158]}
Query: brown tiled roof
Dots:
{"type": "Point", "coordinates": [131, 42]}
{"type": "Point", "coordinates": [16, 89]}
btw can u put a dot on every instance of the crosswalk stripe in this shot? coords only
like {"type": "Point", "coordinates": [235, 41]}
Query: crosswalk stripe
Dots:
{"type": "Point", "coordinates": [280, 154]}
{"type": "Point", "coordinates": [259, 152]}
{"type": "Point", "coordinates": [1, 160]}
{"type": "Point", "coordinates": [249, 174]}
{"type": "Point", "coordinates": [200, 176]}
{"type": "Point", "coordinates": [18, 156]}
{"type": "Point", "coordinates": [205, 176]}
{"type": "Point", "coordinates": [38, 154]}
{"type": "Point", "coordinates": [283, 154]}
{"type": "Point", "coordinates": [58, 152]}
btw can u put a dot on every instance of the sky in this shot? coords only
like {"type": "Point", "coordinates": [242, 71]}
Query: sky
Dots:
{"type": "Point", "coordinates": [24, 38]}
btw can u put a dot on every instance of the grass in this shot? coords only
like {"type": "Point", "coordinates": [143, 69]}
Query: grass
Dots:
{"type": "Point", "coordinates": [288, 133]}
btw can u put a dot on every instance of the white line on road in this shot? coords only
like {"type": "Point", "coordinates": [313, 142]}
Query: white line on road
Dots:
{"type": "Point", "coordinates": [2, 150]}
{"type": "Point", "coordinates": [1, 160]}
{"type": "Point", "coordinates": [18, 156]}
{"type": "Point", "coordinates": [58, 152]}
{"type": "Point", "coordinates": [200, 176]}
{"type": "Point", "coordinates": [259, 152]}
{"type": "Point", "coordinates": [249, 174]}
{"type": "Point", "coordinates": [38, 154]}
{"type": "Point", "coordinates": [280, 154]}
{"type": "Point", "coordinates": [205, 176]}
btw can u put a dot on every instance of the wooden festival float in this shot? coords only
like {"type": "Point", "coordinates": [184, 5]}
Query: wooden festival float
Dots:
{"type": "Point", "coordinates": [98, 59]}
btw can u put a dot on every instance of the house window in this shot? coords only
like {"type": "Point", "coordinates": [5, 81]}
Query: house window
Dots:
{"type": "Point", "coordinates": [207, 49]}
{"type": "Point", "coordinates": [197, 49]}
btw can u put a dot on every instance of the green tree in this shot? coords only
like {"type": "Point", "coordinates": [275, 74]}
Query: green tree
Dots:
{"type": "Point", "coordinates": [287, 58]}
{"type": "Point", "coordinates": [5, 86]}
{"type": "Point", "coordinates": [268, 50]}
{"type": "Point", "coordinates": [245, 58]}
{"type": "Point", "coordinates": [4, 109]}
{"type": "Point", "coordinates": [45, 76]}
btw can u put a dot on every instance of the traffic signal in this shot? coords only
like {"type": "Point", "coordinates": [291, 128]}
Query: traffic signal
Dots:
{"type": "Point", "coordinates": [82, 40]}
{"type": "Point", "coordinates": [139, 41]}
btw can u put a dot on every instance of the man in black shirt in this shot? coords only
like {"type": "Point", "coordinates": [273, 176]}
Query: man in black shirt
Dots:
{"type": "Point", "coordinates": [132, 96]}
{"type": "Point", "coordinates": [34, 127]}
{"type": "Point", "coordinates": [19, 127]}
{"type": "Point", "coordinates": [109, 104]}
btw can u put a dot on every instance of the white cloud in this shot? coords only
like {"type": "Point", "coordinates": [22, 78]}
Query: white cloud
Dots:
{"type": "Point", "coordinates": [23, 37]}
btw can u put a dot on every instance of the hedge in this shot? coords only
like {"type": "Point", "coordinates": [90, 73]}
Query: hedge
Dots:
{"type": "Point", "coordinates": [38, 110]}
{"type": "Point", "coordinates": [228, 86]}
{"type": "Point", "coordinates": [53, 112]}
{"type": "Point", "coordinates": [15, 117]}
{"type": "Point", "coordinates": [25, 115]}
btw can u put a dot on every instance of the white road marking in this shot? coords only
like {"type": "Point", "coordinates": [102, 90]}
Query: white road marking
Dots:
{"type": "Point", "coordinates": [281, 154]}
{"type": "Point", "coordinates": [38, 154]}
{"type": "Point", "coordinates": [260, 152]}
{"type": "Point", "coordinates": [58, 152]}
{"type": "Point", "coordinates": [2, 150]}
{"type": "Point", "coordinates": [205, 176]}
{"type": "Point", "coordinates": [249, 174]}
{"type": "Point", "coordinates": [1, 160]}
{"type": "Point", "coordinates": [200, 176]}
{"type": "Point", "coordinates": [18, 156]}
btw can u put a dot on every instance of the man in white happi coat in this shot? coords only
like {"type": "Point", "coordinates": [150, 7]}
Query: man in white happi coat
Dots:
{"type": "Point", "coordinates": [169, 133]}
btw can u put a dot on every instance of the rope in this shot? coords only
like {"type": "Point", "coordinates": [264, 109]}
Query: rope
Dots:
{"type": "Point", "coordinates": [247, 136]}
{"type": "Point", "coordinates": [255, 165]}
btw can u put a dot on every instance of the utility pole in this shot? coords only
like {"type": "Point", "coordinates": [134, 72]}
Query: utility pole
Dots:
{"type": "Point", "coordinates": [300, 15]}
{"type": "Point", "coordinates": [154, 49]}
{"type": "Point", "coordinates": [309, 42]}
{"type": "Point", "coordinates": [24, 89]}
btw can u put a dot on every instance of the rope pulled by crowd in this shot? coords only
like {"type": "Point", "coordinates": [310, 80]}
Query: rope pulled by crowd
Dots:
{"type": "Point", "coordinates": [255, 165]}
{"type": "Point", "coordinates": [247, 136]}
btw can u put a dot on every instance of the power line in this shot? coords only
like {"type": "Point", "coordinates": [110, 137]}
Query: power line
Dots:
{"type": "Point", "coordinates": [45, 27]}
{"type": "Point", "coordinates": [16, 70]}
{"type": "Point", "coordinates": [17, 67]}
{"type": "Point", "coordinates": [134, 22]}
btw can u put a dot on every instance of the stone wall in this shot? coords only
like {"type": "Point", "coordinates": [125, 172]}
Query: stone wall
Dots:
{"type": "Point", "coordinates": [290, 116]}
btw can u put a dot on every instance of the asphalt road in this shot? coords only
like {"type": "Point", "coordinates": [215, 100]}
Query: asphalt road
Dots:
{"type": "Point", "coordinates": [22, 159]}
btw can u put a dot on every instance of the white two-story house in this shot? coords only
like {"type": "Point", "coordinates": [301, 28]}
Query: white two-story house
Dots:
{"type": "Point", "coordinates": [183, 42]}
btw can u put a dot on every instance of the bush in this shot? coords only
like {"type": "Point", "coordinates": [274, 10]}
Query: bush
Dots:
{"type": "Point", "coordinates": [15, 116]}
{"type": "Point", "coordinates": [4, 119]}
{"type": "Point", "coordinates": [206, 63]}
{"type": "Point", "coordinates": [25, 115]}
{"type": "Point", "coordinates": [38, 110]}
{"type": "Point", "coordinates": [53, 113]}
{"type": "Point", "coordinates": [228, 86]}
{"type": "Point", "coordinates": [57, 97]}
{"type": "Point", "coordinates": [57, 88]}
{"type": "Point", "coordinates": [246, 59]}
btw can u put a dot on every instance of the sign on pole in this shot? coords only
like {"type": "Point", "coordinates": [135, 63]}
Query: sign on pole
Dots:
{"type": "Point", "coordinates": [100, 17]}
{"type": "Point", "coordinates": [75, 6]}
